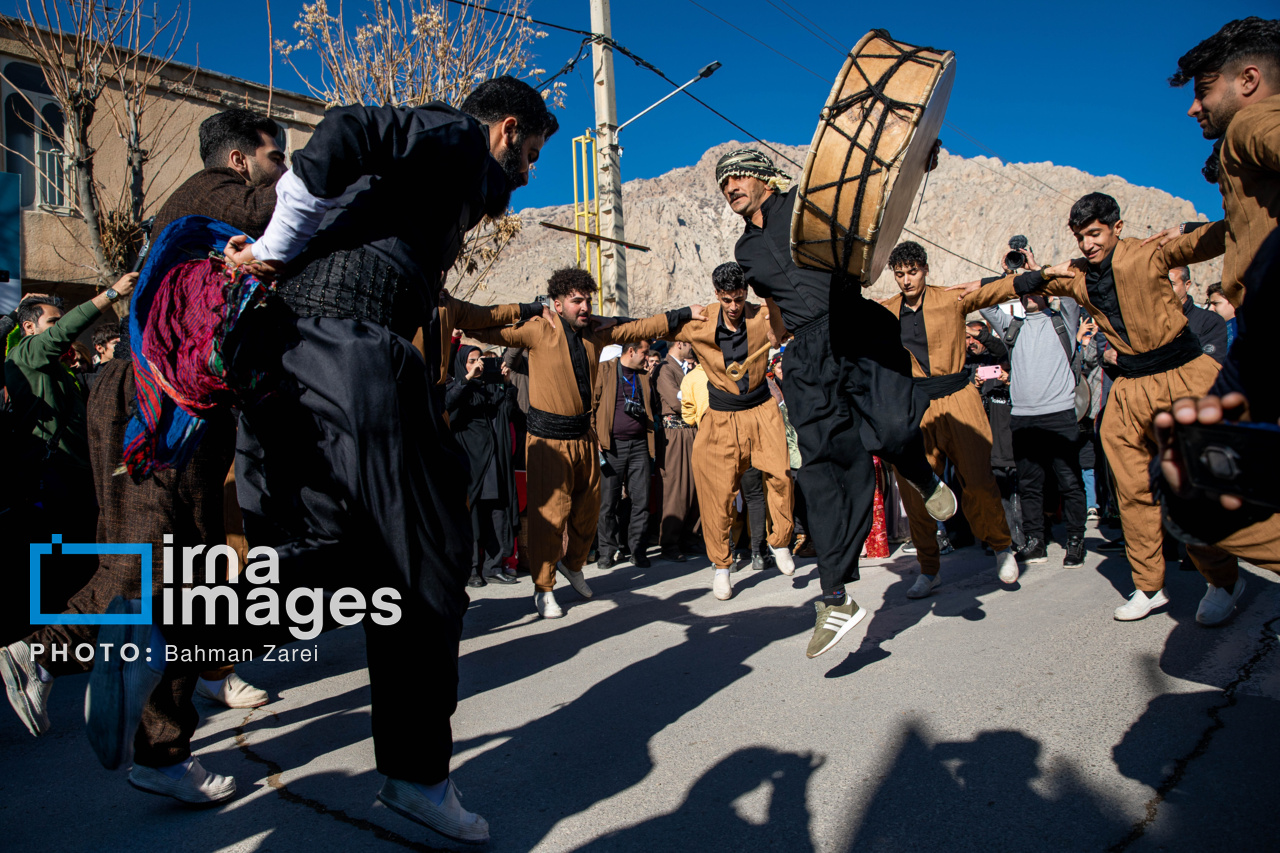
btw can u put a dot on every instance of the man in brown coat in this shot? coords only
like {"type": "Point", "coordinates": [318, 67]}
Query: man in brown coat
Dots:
{"type": "Point", "coordinates": [675, 455]}
{"type": "Point", "coordinates": [1124, 285]}
{"type": "Point", "coordinates": [955, 425]}
{"type": "Point", "coordinates": [562, 455]}
{"type": "Point", "coordinates": [242, 163]}
{"type": "Point", "coordinates": [742, 428]}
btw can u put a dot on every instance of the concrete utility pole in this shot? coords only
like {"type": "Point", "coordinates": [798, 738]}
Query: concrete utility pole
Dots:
{"type": "Point", "coordinates": [613, 267]}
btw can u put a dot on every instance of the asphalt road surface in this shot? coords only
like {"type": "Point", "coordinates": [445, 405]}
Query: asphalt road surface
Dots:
{"type": "Point", "coordinates": [656, 718]}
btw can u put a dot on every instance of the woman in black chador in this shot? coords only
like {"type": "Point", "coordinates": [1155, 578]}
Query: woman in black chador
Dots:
{"type": "Point", "coordinates": [480, 412]}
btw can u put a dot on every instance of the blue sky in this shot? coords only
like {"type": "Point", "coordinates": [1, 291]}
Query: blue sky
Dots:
{"type": "Point", "coordinates": [1076, 84]}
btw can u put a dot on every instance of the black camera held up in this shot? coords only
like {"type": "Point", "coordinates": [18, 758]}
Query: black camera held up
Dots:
{"type": "Point", "coordinates": [635, 408]}
{"type": "Point", "coordinates": [1017, 259]}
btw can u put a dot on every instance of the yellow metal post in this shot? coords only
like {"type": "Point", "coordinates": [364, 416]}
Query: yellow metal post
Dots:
{"type": "Point", "coordinates": [586, 206]}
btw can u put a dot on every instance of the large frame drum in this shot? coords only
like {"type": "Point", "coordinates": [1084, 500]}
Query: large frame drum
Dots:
{"type": "Point", "coordinates": [871, 149]}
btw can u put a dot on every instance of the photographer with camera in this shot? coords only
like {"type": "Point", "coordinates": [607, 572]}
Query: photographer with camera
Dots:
{"type": "Point", "coordinates": [1044, 374]}
{"type": "Point", "coordinates": [480, 409]}
{"type": "Point", "coordinates": [623, 420]}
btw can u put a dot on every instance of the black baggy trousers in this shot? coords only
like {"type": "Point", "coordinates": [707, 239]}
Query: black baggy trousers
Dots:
{"type": "Point", "coordinates": [848, 399]}
{"type": "Point", "coordinates": [352, 477]}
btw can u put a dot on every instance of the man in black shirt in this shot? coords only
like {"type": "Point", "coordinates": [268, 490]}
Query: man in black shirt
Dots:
{"type": "Point", "coordinates": [848, 395]}
{"type": "Point", "coordinates": [1207, 326]}
{"type": "Point", "coordinates": [623, 417]}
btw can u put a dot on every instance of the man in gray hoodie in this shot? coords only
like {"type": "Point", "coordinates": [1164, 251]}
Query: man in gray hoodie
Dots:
{"type": "Point", "coordinates": [1042, 384]}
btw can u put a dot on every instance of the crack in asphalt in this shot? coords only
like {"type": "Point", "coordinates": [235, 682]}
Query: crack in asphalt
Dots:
{"type": "Point", "coordinates": [1175, 777]}
{"type": "Point", "coordinates": [274, 773]}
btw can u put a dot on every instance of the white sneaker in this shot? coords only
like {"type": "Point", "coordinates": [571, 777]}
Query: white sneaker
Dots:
{"type": "Point", "coordinates": [1218, 604]}
{"type": "Point", "coordinates": [28, 695]}
{"type": "Point", "coordinates": [576, 580]}
{"type": "Point", "coordinates": [1140, 604]}
{"type": "Point", "coordinates": [1007, 566]}
{"type": "Point", "coordinates": [722, 586]}
{"type": "Point", "coordinates": [923, 586]}
{"type": "Point", "coordinates": [232, 691]}
{"type": "Point", "coordinates": [449, 818]}
{"type": "Point", "coordinates": [786, 563]}
{"type": "Point", "coordinates": [547, 606]}
{"type": "Point", "coordinates": [197, 786]}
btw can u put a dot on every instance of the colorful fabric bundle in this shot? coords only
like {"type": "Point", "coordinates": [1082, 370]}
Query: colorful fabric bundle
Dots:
{"type": "Point", "coordinates": [185, 305]}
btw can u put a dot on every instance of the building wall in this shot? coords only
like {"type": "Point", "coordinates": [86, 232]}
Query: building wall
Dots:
{"type": "Point", "coordinates": [55, 256]}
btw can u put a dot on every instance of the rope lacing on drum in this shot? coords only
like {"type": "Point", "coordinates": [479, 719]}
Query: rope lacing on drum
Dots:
{"type": "Point", "coordinates": [871, 164]}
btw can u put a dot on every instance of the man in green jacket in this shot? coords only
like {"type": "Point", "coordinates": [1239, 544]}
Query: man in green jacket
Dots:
{"type": "Point", "coordinates": [48, 404]}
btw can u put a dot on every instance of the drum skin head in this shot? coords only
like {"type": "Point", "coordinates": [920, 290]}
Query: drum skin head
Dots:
{"type": "Point", "coordinates": [869, 155]}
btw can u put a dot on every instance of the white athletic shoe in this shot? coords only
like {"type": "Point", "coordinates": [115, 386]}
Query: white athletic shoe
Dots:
{"type": "Point", "coordinates": [576, 580]}
{"type": "Point", "coordinates": [449, 818]}
{"type": "Point", "coordinates": [547, 606]}
{"type": "Point", "coordinates": [1007, 566]}
{"type": "Point", "coordinates": [1218, 604]}
{"type": "Point", "coordinates": [28, 695]}
{"type": "Point", "coordinates": [923, 586]}
{"type": "Point", "coordinates": [722, 586]}
{"type": "Point", "coordinates": [786, 563]}
{"type": "Point", "coordinates": [197, 786]}
{"type": "Point", "coordinates": [233, 691]}
{"type": "Point", "coordinates": [1140, 604]}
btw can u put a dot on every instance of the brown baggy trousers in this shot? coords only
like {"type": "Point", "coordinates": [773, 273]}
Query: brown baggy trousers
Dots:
{"type": "Point", "coordinates": [563, 492]}
{"type": "Point", "coordinates": [679, 495]}
{"type": "Point", "coordinates": [1258, 544]}
{"type": "Point", "coordinates": [1128, 438]}
{"type": "Point", "coordinates": [957, 427]}
{"type": "Point", "coordinates": [729, 443]}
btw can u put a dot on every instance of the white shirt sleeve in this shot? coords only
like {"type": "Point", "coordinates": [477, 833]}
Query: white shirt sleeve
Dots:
{"type": "Point", "coordinates": [297, 217]}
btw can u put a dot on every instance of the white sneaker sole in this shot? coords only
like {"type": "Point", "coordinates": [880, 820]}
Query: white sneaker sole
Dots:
{"type": "Point", "coordinates": [1134, 616]}
{"type": "Point", "coordinates": [448, 828]}
{"type": "Point", "coordinates": [176, 790]}
{"type": "Point", "coordinates": [854, 620]}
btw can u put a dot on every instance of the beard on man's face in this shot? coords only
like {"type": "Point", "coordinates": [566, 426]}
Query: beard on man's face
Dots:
{"type": "Point", "coordinates": [496, 203]}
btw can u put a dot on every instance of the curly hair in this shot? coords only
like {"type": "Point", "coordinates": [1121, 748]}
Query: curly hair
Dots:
{"type": "Point", "coordinates": [728, 278]}
{"type": "Point", "coordinates": [1099, 206]}
{"type": "Point", "coordinates": [908, 254]}
{"type": "Point", "coordinates": [570, 280]}
{"type": "Point", "coordinates": [1253, 38]}
{"type": "Point", "coordinates": [105, 333]}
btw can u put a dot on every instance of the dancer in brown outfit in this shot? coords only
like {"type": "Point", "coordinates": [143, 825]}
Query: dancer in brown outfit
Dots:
{"type": "Point", "coordinates": [562, 455]}
{"type": "Point", "coordinates": [1124, 285]}
{"type": "Point", "coordinates": [955, 425]}
{"type": "Point", "coordinates": [742, 428]}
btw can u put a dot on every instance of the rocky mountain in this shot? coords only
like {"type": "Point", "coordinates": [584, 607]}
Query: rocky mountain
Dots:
{"type": "Point", "coordinates": [970, 206]}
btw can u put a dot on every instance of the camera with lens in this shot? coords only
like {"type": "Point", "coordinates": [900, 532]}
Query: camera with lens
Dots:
{"type": "Point", "coordinates": [635, 409]}
{"type": "Point", "coordinates": [1016, 259]}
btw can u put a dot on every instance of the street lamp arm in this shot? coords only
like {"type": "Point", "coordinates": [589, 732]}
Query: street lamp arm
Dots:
{"type": "Point", "coordinates": [704, 73]}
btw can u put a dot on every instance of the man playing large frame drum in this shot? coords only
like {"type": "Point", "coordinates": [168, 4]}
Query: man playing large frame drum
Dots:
{"type": "Point", "coordinates": [847, 397]}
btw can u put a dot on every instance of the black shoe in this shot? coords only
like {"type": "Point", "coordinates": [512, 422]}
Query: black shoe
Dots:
{"type": "Point", "coordinates": [1112, 546]}
{"type": "Point", "coordinates": [673, 557]}
{"type": "Point", "coordinates": [757, 562]}
{"type": "Point", "coordinates": [641, 561]}
{"type": "Point", "coordinates": [475, 580]}
{"type": "Point", "coordinates": [944, 544]}
{"type": "Point", "coordinates": [500, 577]}
{"type": "Point", "coordinates": [1034, 552]}
{"type": "Point", "coordinates": [1075, 553]}
{"type": "Point", "coordinates": [622, 554]}
{"type": "Point", "coordinates": [607, 562]}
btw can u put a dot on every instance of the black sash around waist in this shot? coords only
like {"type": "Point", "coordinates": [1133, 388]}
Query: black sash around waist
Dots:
{"type": "Point", "coordinates": [723, 401]}
{"type": "Point", "coordinates": [1183, 349]}
{"type": "Point", "coordinates": [558, 427]}
{"type": "Point", "coordinates": [938, 387]}
{"type": "Point", "coordinates": [812, 326]}
{"type": "Point", "coordinates": [354, 284]}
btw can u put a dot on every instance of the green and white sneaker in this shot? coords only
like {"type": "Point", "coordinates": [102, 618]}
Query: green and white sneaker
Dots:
{"type": "Point", "coordinates": [834, 621]}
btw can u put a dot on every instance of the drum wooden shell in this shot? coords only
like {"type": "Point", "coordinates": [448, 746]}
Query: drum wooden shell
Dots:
{"type": "Point", "coordinates": [869, 154]}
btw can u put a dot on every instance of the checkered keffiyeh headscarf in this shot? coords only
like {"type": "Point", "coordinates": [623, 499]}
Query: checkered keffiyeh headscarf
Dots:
{"type": "Point", "coordinates": [749, 163]}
